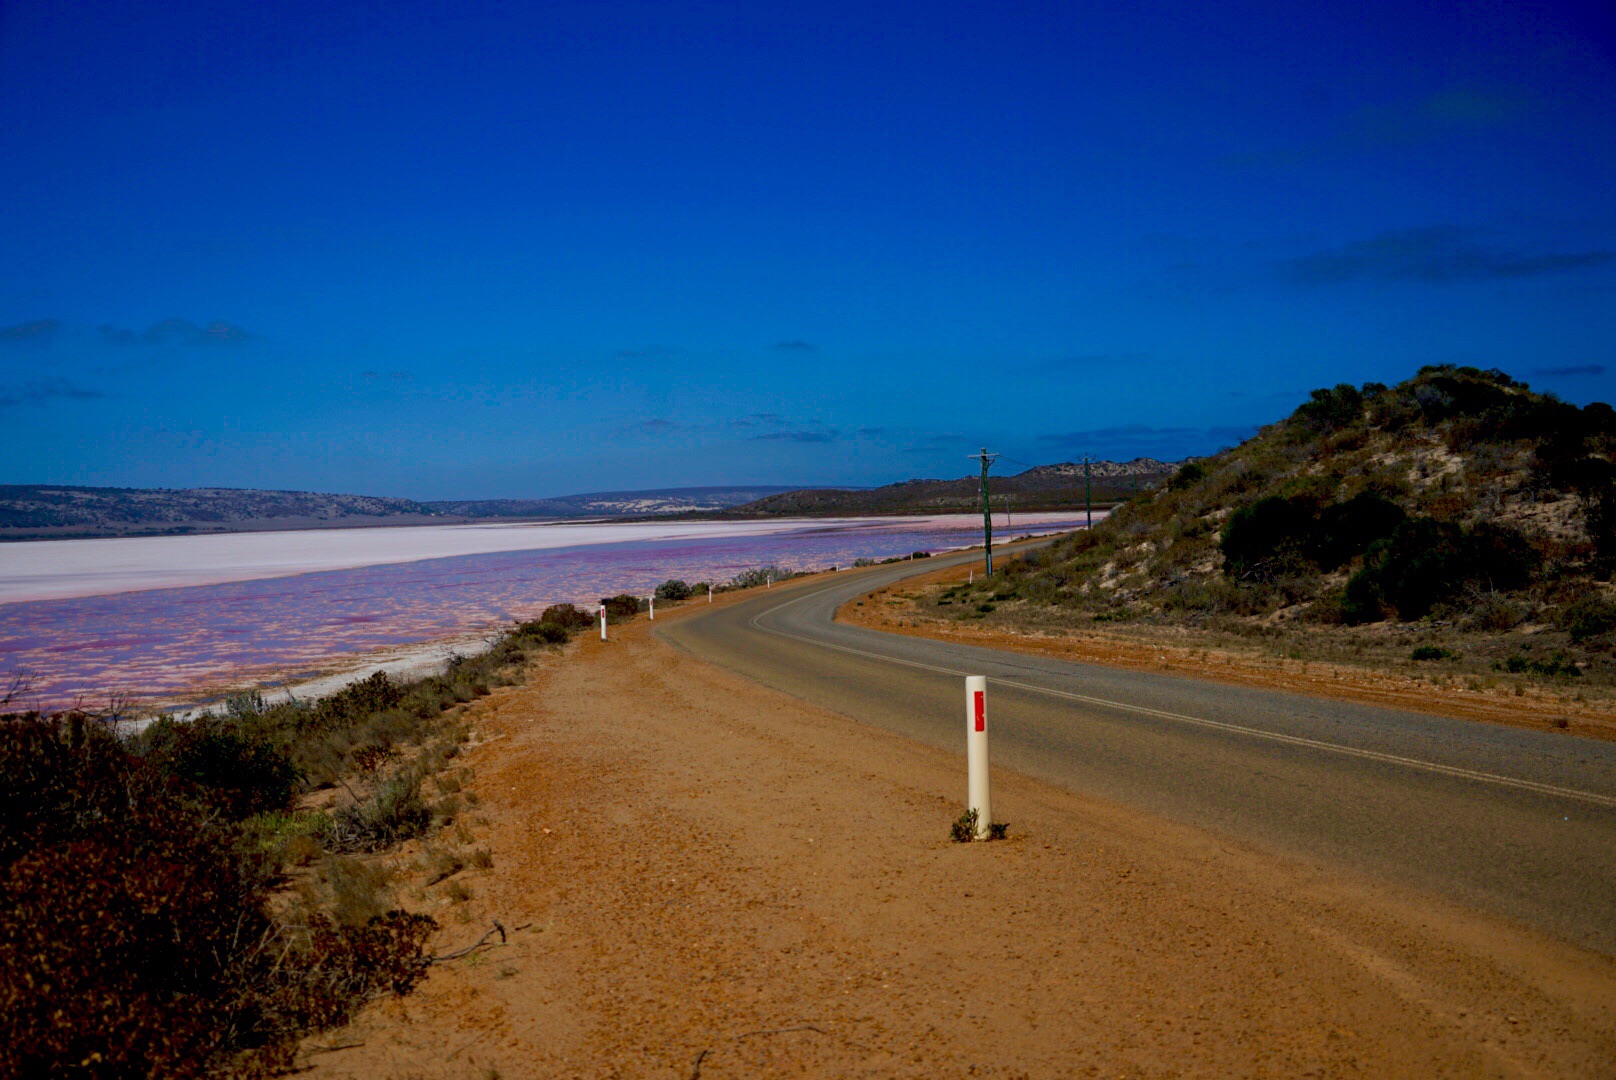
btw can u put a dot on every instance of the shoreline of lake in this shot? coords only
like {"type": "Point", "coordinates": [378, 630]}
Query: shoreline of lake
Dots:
{"type": "Point", "coordinates": [181, 644]}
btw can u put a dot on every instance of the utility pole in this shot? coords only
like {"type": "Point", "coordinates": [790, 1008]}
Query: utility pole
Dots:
{"type": "Point", "coordinates": [1088, 504]}
{"type": "Point", "coordinates": [987, 507]}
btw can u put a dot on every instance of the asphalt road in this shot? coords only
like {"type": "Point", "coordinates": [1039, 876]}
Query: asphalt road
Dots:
{"type": "Point", "coordinates": [1513, 822]}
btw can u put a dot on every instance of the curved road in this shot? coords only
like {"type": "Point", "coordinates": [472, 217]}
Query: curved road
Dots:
{"type": "Point", "coordinates": [1514, 822]}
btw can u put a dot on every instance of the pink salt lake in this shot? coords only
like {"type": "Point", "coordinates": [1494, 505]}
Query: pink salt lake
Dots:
{"type": "Point", "coordinates": [175, 618]}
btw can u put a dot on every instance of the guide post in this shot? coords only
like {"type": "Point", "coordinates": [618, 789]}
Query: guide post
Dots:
{"type": "Point", "coordinates": [976, 752]}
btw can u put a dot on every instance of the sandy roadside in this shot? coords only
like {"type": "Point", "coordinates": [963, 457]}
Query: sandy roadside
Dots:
{"type": "Point", "coordinates": [713, 879]}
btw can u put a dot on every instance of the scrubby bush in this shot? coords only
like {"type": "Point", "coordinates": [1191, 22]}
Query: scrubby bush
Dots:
{"type": "Point", "coordinates": [244, 703]}
{"type": "Point", "coordinates": [622, 606]}
{"type": "Point", "coordinates": [1587, 618]}
{"type": "Point", "coordinates": [1345, 530]}
{"type": "Point", "coordinates": [135, 938]}
{"type": "Point", "coordinates": [1281, 532]}
{"type": "Point", "coordinates": [235, 774]}
{"type": "Point", "coordinates": [393, 812]}
{"type": "Point", "coordinates": [1361, 601]}
{"type": "Point", "coordinates": [1556, 664]}
{"type": "Point", "coordinates": [1426, 562]}
{"type": "Point", "coordinates": [542, 633]}
{"type": "Point", "coordinates": [673, 589]}
{"type": "Point", "coordinates": [762, 575]}
{"type": "Point", "coordinates": [1327, 410]}
{"type": "Point", "coordinates": [1269, 531]}
{"type": "Point", "coordinates": [117, 951]}
{"type": "Point", "coordinates": [567, 616]}
{"type": "Point", "coordinates": [1188, 475]}
{"type": "Point", "coordinates": [134, 935]}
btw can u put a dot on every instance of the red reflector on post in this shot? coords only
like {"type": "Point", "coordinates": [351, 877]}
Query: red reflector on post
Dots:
{"type": "Point", "coordinates": [981, 711]}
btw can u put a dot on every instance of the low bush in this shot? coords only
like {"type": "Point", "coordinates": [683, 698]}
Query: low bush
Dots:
{"type": "Point", "coordinates": [762, 575]}
{"type": "Point", "coordinates": [1268, 532]}
{"type": "Point", "coordinates": [1328, 410]}
{"type": "Point", "coordinates": [567, 616]}
{"type": "Point", "coordinates": [238, 776]}
{"type": "Point", "coordinates": [134, 933]}
{"type": "Point", "coordinates": [622, 606]}
{"type": "Point", "coordinates": [673, 590]}
{"type": "Point", "coordinates": [1188, 475]}
{"type": "Point", "coordinates": [1556, 664]}
{"type": "Point", "coordinates": [356, 891]}
{"type": "Point", "coordinates": [542, 633]}
{"type": "Point", "coordinates": [1345, 530]}
{"type": "Point", "coordinates": [1426, 562]}
{"type": "Point", "coordinates": [1587, 618]}
{"type": "Point", "coordinates": [393, 812]}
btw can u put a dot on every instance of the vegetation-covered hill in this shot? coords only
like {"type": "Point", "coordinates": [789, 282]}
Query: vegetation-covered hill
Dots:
{"type": "Point", "coordinates": [1046, 487]}
{"type": "Point", "coordinates": [1459, 501]}
{"type": "Point", "coordinates": [28, 510]}
{"type": "Point", "coordinates": [37, 511]}
{"type": "Point", "coordinates": [611, 503]}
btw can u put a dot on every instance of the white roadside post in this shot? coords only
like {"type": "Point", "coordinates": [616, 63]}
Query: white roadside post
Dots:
{"type": "Point", "coordinates": [603, 622]}
{"type": "Point", "coordinates": [651, 601]}
{"type": "Point", "coordinates": [709, 594]}
{"type": "Point", "coordinates": [976, 751]}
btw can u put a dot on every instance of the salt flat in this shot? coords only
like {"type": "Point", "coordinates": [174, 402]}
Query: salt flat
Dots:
{"type": "Point", "coordinates": [59, 569]}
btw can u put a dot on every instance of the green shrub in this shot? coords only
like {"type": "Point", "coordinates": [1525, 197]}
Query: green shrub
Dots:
{"type": "Point", "coordinates": [542, 633]}
{"type": "Point", "coordinates": [1269, 531]}
{"type": "Point", "coordinates": [763, 575]}
{"type": "Point", "coordinates": [1587, 618]}
{"type": "Point", "coordinates": [1426, 562]}
{"type": "Point", "coordinates": [1327, 410]}
{"type": "Point", "coordinates": [1347, 529]}
{"type": "Point", "coordinates": [358, 699]}
{"type": "Point", "coordinates": [243, 704]}
{"type": "Point", "coordinates": [1557, 664]}
{"type": "Point", "coordinates": [134, 936]}
{"type": "Point", "coordinates": [673, 589]}
{"type": "Point", "coordinates": [622, 606]}
{"type": "Point", "coordinates": [1188, 475]}
{"type": "Point", "coordinates": [238, 775]}
{"type": "Point", "coordinates": [394, 812]}
{"type": "Point", "coordinates": [1361, 601]}
{"type": "Point", "coordinates": [1432, 652]}
{"type": "Point", "coordinates": [567, 617]}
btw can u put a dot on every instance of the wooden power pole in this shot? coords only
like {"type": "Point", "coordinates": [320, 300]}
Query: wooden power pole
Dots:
{"type": "Point", "coordinates": [987, 508]}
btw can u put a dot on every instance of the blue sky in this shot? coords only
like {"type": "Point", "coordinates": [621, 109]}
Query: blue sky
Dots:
{"type": "Point", "coordinates": [486, 249]}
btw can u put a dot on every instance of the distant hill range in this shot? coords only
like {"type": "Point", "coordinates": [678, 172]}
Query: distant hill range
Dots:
{"type": "Point", "coordinates": [611, 503]}
{"type": "Point", "coordinates": [36, 511]}
{"type": "Point", "coordinates": [1046, 487]}
{"type": "Point", "coordinates": [61, 511]}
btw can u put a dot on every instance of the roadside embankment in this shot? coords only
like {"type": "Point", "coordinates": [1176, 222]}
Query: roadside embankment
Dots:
{"type": "Point", "coordinates": [705, 878]}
